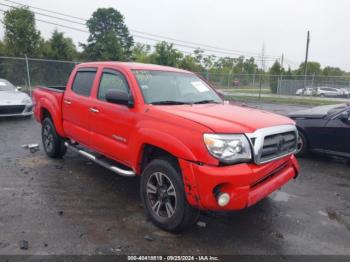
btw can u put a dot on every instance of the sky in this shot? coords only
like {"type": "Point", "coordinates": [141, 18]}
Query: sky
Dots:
{"type": "Point", "coordinates": [240, 25]}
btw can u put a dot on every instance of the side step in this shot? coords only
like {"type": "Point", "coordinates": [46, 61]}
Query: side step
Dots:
{"type": "Point", "coordinates": [100, 161]}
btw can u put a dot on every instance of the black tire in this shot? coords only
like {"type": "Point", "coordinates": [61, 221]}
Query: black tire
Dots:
{"type": "Point", "coordinates": [183, 215]}
{"type": "Point", "coordinates": [302, 148]}
{"type": "Point", "coordinates": [52, 142]}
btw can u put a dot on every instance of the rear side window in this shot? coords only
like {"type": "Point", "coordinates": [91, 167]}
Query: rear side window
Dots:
{"type": "Point", "coordinates": [83, 82]}
{"type": "Point", "coordinates": [111, 80]}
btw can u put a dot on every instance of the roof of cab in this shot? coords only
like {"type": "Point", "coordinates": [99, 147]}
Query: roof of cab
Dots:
{"type": "Point", "coordinates": [135, 66]}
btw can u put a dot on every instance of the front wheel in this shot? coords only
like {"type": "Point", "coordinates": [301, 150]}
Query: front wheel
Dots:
{"type": "Point", "coordinates": [302, 145]}
{"type": "Point", "coordinates": [163, 196]}
{"type": "Point", "coordinates": [53, 143]}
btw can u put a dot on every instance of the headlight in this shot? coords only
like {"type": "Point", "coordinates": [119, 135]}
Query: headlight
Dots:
{"type": "Point", "coordinates": [27, 101]}
{"type": "Point", "coordinates": [228, 148]}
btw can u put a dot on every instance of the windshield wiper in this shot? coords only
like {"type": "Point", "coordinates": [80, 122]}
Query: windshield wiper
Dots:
{"type": "Point", "coordinates": [205, 102]}
{"type": "Point", "coordinates": [169, 102]}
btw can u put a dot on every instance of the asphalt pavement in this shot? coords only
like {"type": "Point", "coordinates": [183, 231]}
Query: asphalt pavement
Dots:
{"type": "Point", "coordinates": [73, 206]}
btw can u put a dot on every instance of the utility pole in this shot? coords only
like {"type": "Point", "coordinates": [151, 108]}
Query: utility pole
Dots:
{"type": "Point", "coordinates": [262, 67]}
{"type": "Point", "coordinates": [280, 77]}
{"type": "Point", "coordinates": [28, 76]}
{"type": "Point", "coordinates": [306, 56]}
{"type": "Point", "coordinates": [282, 60]}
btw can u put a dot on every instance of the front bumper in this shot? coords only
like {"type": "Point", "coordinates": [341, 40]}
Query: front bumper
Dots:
{"type": "Point", "coordinates": [245, 183]}
{"type": "Point", "coordinates": [16, 110]}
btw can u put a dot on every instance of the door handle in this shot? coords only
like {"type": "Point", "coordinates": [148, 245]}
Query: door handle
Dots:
{"type": "Point", "coordinates": [94, 110]}
{"type": "Point", "coordinates": [66, 101]}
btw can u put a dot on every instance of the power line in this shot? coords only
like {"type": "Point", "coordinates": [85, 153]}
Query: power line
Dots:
{"type": "Point", "coordinates": [194, 45]}
{"type": "Point", "coordinates": [85, 31]}
{"type": "Point", "coordinates": [51, 16]}
{"type": "Point", "coordinates": [49, 11]}
{"type": "Point", "coordinates": [56, 24]}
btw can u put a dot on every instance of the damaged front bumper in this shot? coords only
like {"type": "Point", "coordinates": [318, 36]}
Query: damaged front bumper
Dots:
{"type": "Point", "coordinates": [246, 183]}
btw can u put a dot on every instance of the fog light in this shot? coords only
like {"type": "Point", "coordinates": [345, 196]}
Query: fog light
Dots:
{"type": "Point", "coordinates": [223, 199]}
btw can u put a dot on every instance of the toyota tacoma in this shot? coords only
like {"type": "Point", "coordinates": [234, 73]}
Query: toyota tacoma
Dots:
{"type": "Point", "coordinates": [191, 150]}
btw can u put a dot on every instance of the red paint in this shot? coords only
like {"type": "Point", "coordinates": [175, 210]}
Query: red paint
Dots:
{"type": "Point", "coordinates": [176, 129]}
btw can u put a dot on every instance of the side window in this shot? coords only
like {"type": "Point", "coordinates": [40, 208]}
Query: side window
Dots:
{"type": "Point", "coordinates": [111, 80]}
{"type": "Point", "coordinates": [83, 82]}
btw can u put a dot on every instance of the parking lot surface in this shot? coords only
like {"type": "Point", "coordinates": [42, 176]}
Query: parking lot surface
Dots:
{"type": "Point", "coordinates": [73, 206]}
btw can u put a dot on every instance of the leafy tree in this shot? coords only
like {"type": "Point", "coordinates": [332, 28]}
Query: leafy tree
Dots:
{"type": "Point", "coordinates": [21, 36]}
{"type": "Point", "coordinates": [109, 36]}
{"type": "Point", "coordinates": [61, 47]}
{"type": "Point", "coordinates": [209, 61]}
{"type": "Point", "coordinates": [2, 48]}
{"type": "Point", "coordinates": [141, 53]}
{"type": "Point", "coordinates": [190, 63]}
{"type": "Point", "coordinates": [332, 71]}
{"type": "Point", "coordinates": [249, 66]}
{"type": "Point", "coordinates": [198, 55]}
{"type": "Point", "coordinates": [275, 71]}
{"type": "Point", "coordinates": [166, 54]}
{"type": "Point", "coordinates": [313, 68]}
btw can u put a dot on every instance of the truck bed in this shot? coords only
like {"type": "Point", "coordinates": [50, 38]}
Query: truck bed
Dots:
{"type": "Point", "coordinates": [51, 99]}
{"type": "Point", "coordinates": [60, 89]}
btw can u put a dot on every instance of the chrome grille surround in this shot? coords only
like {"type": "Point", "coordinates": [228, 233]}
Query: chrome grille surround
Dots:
{"type": "Point", "coordinates": [257, 141]}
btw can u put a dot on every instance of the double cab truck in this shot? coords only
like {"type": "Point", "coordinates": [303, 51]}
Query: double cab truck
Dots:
{"type": "Point", "coordinates": [191, 150]}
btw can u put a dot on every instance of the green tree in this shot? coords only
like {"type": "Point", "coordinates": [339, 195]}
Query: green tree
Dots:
{"type": "Point", "coordinates": [275, 71]}
{"type": "Point", "coordinates": [21, 36]}
{"type": "Point", "coordinates": [313, 68]}
{"type": "Point", "coordinates": [141, 53]}
{"type": "Point", "coordinates": [166, 54]}
{"type": "Point", "coordinates": [332, 71]}
{"type": "Point", "coordinates": [189, 63]}
{"type": "Point", "coordinates": [109, 36]}
{"type": "Point", "coordinates": [60, 47]}
{"type": "Point", "coordinates": [2, 48]}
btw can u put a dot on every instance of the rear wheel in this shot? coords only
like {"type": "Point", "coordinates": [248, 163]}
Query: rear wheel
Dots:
{"type": "Point", "coordinates": [163, 196]}
{"type": "Point", "coordinates": [53, 143]}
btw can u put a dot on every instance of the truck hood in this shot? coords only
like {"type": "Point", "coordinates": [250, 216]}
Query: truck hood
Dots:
{"type": "Point", "coordinates": [227, 118]}
{"type": "Point", "coordinates": [12, 97]}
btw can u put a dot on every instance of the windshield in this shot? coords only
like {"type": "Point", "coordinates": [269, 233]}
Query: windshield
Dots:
{"type": "Point", "coordinates": [159, 87]}
{"type": "Point", "coordinates": [6, 85]}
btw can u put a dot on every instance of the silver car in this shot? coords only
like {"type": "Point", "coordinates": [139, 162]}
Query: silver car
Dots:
{"type": "Point", "coordinates": [13, 102]}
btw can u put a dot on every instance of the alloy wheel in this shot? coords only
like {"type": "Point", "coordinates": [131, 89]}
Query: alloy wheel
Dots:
{"type": "Point", "coordinates": [161, 195]}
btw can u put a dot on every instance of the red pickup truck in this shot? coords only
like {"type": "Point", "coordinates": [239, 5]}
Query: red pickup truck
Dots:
{"type": "Point", "coordinates": [192, 151]}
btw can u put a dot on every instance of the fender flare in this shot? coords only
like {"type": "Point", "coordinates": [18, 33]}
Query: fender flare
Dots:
{"type": "Point", "coordinates": [54, 109]}
{"type": "Point", "coordinates": [161, 140]}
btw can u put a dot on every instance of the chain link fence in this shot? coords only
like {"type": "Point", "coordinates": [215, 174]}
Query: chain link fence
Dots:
{"type": "Point", "coordinates": [278, 86]}
{"type": "Point", "coordinates": [29, 72]}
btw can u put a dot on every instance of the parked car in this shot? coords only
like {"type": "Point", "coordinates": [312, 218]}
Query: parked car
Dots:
{"type": "Point", "coordinates": [328, 91]}
{"type": "Point", "coordinates": [345, 92]}
{"type": "Point", "coordinates": [309, 91]}
{"type": "Point", "coordinates": [193, 151]}
{"type": "Point", "coordinates": [324, 129]}
{"type": "Point", "coordinates": [13, 102]}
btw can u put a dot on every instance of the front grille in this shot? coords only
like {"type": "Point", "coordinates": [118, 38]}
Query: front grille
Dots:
{"type": "Point", "coordinates": [278, 145]}
{"type": "Point", "coordinates": [11, 110]}
{"type": "Point", "coordinates": [272, 143]}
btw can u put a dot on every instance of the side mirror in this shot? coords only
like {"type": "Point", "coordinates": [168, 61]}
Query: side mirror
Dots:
{"type": "Point", "coordinates": [119, 97]}
{"type": "Point", "coordinates": [18, 88]}
{"type": "Point", "coordinates": [345, 116]}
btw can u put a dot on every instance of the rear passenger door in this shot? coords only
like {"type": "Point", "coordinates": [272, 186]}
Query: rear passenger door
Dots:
{"type": "Point", "coordinates": [76, 105]}
{"type": "Point", "coordinates": [112, 125]}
